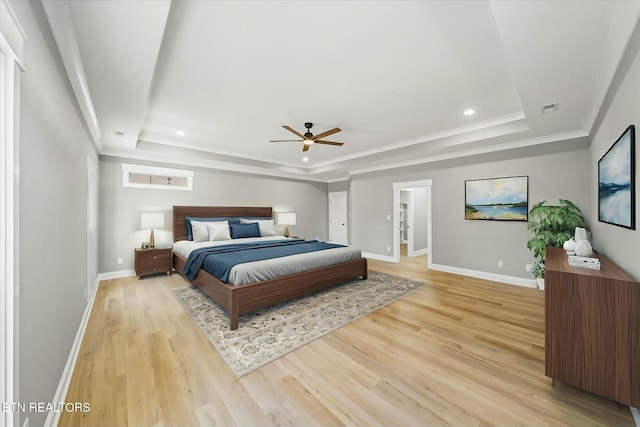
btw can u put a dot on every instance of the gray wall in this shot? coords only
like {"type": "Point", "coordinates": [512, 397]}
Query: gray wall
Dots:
{"type": "Point", "coordinates": [54, 147]}
{"type": "Point", "coordinates": [120, 207]}
{"type": "Point", "coordinates": [555, 171]}
{"type": "Point", "coordinates": [622, 108]}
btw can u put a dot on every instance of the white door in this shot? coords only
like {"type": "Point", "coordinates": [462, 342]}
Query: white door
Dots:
{"type": "Point", "coordinates": [338, 218]}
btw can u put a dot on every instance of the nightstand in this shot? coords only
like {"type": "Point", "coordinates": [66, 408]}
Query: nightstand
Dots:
{"type": "Point", "coordinates": [152, 261]}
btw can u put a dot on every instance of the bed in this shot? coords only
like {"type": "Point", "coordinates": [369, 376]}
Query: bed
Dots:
{"type": "Point", "coordinates": [243, 298]}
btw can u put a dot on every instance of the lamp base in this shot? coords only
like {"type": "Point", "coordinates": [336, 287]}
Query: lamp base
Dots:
{"type": "Point", "coordinates": [152, 240]}
{"type": "Point", "coordinates": [286, 231]}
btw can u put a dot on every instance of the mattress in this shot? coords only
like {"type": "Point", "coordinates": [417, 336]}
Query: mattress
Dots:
{"type": "Point", "coordinates": [256, 271]}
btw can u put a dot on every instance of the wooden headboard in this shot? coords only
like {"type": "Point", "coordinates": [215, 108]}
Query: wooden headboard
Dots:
{"type": "Point", "coordinates": [180, 212]}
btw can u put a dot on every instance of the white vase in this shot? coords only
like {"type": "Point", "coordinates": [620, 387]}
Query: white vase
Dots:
{"type": "Point", "coordinates": [583, 248]}
{"type": "Point", "coordinates": [581, 234]}
{"type": "Point", "coordinates": [540, 283]}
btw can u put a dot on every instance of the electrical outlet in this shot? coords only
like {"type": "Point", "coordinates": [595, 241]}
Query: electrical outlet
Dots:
{"type": "Point", "coordinates": [120, 260]}
{"type": "Point", "coordinates": [388, 248]}
{"type": "Point", "coordinates": [528, 267]}
{"type": "Point", "coordinates": [500, 263]}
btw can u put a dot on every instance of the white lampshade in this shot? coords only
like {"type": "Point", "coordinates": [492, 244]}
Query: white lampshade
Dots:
{"type": "Point", "coordinates": [287, 218]}
{"type": "Point", "coordinates": [151, 220]}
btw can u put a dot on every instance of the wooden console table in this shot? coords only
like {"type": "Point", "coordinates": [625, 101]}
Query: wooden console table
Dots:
{"type": "Point", "coordinates": [592, 327]}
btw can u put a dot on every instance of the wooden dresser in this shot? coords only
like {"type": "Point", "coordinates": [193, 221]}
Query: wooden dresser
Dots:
{"type": "Point", "coordinates": [592, 330]}
{"type": "Point", "coordinates": [153, 260]}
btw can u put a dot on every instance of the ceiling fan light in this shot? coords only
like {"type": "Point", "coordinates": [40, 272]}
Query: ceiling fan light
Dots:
{"type": "Point", "coordinates": [308, 141]}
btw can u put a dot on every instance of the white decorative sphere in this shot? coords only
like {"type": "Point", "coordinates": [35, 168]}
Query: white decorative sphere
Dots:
{"type": "Point", "coordinates": [583, 248]}
{"type": "Point", "coordinates": [569, 245]}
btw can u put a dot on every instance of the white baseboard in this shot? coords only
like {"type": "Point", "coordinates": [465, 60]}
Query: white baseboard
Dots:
{"type": "Point", "coordinates": [115, 274]}
{"type": "Point", "coordinates": [63, 387]}
{"type": "Point", "coordinates": [636, 415]}
{"type": "Point", "coordinates": [378, 257]}
{"type": "Point", "coordinates": [419, 252]}
{"type": "Point", "coordinates": [511, 280]}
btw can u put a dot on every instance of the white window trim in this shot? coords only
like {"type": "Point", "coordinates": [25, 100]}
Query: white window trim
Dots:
{"type": "Point", "coordinates": [153, 170]}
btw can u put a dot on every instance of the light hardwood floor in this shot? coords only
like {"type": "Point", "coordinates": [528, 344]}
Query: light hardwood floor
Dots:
{"type": "Point", "coordinates": [458, 352]}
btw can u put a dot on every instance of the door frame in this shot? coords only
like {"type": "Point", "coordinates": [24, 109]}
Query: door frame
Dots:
{"type": "Point", "coordinates": [92, 227]}
{"type": "Point", "coordinates": [397, 186]}
{"type": "Point", "coordinates": [10, 67]}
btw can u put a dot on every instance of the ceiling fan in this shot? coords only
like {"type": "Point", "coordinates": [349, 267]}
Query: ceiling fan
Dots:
{"type": "Point", "coordinates": [308, 138]}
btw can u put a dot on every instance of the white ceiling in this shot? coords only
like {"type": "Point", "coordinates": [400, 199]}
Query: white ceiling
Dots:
{"type": "Point", "coordinates": [395, 76]}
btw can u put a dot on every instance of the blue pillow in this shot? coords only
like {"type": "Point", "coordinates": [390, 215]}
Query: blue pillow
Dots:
{"type": "Point", "coordinates": [188, 219]}
{"type": "Point", "coordinates": [244, 230]}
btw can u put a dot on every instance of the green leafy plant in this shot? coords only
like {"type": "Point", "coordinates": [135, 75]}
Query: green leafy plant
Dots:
{"type": "Point", "coordinates": [551, 226]}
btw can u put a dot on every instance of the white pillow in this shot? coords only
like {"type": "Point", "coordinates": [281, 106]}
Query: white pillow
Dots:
{"type": "Point", "coordinates": [200, 230]}
{"type": "Point", "coordinates": [266, 226]}
{"type": "Point", "coordinates": [218, 231]}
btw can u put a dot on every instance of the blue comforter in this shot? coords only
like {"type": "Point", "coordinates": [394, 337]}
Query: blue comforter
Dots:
{"type": "Point", "coordinates": [219, 260]}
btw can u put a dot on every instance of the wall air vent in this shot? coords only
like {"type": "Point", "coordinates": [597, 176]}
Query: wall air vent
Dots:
{"type": "Point", "coordinates": [550, 108]}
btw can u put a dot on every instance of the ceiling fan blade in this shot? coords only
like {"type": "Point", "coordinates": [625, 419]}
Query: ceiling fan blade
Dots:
{"type": "Point", "coordinates": [319, 141]}
{"type": "Point", "coordinates": [286, 140]}
{"type": "Point", "coordinates": [327, 133]}
{"type": "Point", "coordinates": [294, 131]}
{"type": "Point", "coordinates": [305, 147]}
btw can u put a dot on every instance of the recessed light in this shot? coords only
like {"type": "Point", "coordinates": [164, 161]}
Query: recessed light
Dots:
{"type": "Point", "coordinates": [305, 159]}
{"type": "Point", "coordinates": [469, 112]}
{"type": "Point", "coordinates": [180, 132]}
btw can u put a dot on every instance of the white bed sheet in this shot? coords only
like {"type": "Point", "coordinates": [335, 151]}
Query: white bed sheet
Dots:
{"type": "Point", "coordinates": [255, 271]}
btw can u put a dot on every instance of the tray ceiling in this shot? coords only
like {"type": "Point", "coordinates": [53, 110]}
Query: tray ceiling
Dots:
{"type": "Point", "coordinates": [395, 76]}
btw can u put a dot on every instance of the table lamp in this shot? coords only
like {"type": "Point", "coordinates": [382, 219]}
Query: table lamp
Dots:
{"type": "Point", "coordinates": [286, 219]}
{"type": "Point", "coordinates": [151, 221]}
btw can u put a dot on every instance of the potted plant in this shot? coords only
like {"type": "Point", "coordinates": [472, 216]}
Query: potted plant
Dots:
{"type": "Point", "coordinates": [551, 226]}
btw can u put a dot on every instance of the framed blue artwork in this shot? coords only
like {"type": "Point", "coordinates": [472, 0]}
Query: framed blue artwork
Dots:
{"type": "Point", "coordinates": [616, 182]}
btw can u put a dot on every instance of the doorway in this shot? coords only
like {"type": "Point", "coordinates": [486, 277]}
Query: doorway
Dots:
{"type": "Point", "coordinates": [418, 205]}
{"type": "Point", "coordinates": [406, 221]}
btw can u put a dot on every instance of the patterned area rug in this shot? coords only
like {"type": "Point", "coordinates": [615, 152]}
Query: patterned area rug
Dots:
{"type": "Point", "coordinates": [265, 335]}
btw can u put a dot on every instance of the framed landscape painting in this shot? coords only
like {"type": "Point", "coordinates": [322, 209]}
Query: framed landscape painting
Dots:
{"type": "Point", "coordinates": [498, 199]}
{"type": "Point", "coordinates": [616, 182]}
